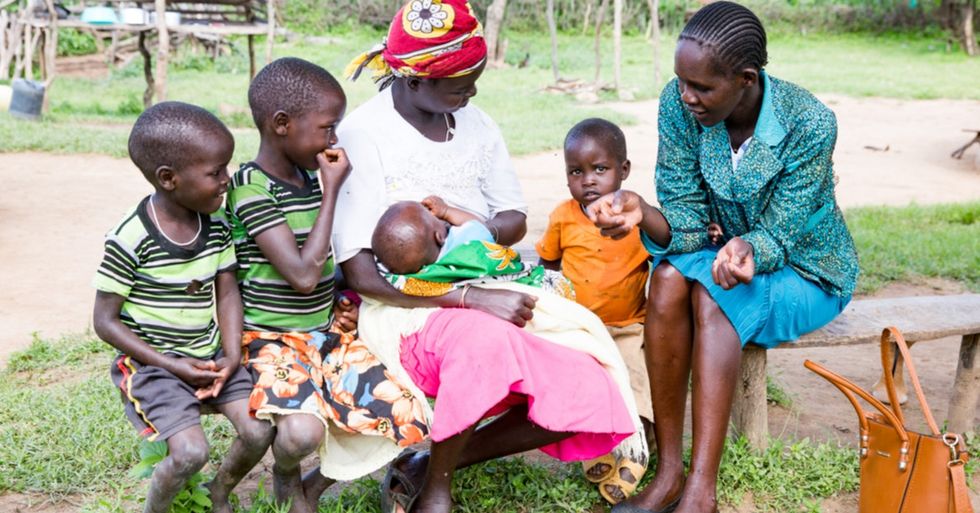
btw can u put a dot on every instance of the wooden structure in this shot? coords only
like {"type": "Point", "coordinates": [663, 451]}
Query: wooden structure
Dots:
{"type": "Point", "coordinates": [35, 26]}
{"type": "Point", "coordinates": [919, 318]}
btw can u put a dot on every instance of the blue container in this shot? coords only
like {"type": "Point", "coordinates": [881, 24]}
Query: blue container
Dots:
{"type": "Point", "coordinates": [27, 99]}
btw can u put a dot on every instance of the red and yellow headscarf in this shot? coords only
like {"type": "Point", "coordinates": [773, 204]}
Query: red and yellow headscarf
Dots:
{"type": "Point", "coordinates": [429, 39]}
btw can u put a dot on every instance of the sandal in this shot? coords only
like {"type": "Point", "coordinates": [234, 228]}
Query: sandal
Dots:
{"type": "Point", "coordinates": [394, 477]}
{"type": "Point", "coordinates": [591, 472]}
{"type": "Point", "coordinates": [623, 482]}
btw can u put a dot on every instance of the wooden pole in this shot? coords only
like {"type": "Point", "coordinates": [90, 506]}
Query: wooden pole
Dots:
{"type": "Point", "coordinates": [15, 41]}
{"type": "Point", "coordinates": [270, 37]}
{"type": "Point", "coordinates": [617, 43]}
{"type": "Point", "coordinates": [251, 57]}
{"type": "Point", "coordinates": [655, 36]}
{"type": "Point", "coordinates": [966, 387]}
{"type": "Point", "coordinates": [600, 14]}
{"type": "Point", "coordinates": [33, 36]}
{"type": "Point", "coordinates": [553, 32]}
{"type": "Point", "coordinates": [749, 414]}
{"type": "Point", "coordinates": [163, 52]}
{"type": "Point", "coordinates": [4, 45]}
{"type": "Point", "coordinates": [491, 30]}
{"type": "Point", "coordinates": [51, 52]}
{"type": "Point", "coordinates": [147, 71]}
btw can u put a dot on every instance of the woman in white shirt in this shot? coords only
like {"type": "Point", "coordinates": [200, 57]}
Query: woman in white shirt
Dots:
{"type": "Point", "coordinates": [418, 137]}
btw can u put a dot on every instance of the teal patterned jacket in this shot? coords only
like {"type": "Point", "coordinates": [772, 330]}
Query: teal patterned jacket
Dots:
{"type": "Point", "coordinates": [781, 199]}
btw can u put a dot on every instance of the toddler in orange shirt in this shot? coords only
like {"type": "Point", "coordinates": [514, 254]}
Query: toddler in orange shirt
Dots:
{"type": "Point", "coordinates": [609, 276]}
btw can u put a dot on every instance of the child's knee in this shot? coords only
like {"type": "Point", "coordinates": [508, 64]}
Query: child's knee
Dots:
{"type": "Point", "coordinates": [256, 434]}
{"type": "Point", "coordinates": [298, 436]}
{"type": "Point", "coordinates": [188, 455]}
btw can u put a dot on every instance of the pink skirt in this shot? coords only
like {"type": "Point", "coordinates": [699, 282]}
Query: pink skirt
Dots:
{"type": "Point", "coordinates": [477, 365]}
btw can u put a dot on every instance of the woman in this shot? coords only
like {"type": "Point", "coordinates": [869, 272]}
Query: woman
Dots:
{"type": "Point", "coordinates": [751, 154]}
{"type": "Point", "coordinates": [418, 137]}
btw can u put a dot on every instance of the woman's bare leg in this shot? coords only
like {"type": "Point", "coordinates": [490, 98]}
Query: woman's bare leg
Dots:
{"type": "Point", "coordinates": [510, 433]}
{"type": "Point", "coordinates": [716, 362]}
{"type": "Point", "coordinates": [668, 339]}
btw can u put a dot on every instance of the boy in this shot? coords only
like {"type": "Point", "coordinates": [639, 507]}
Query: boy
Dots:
{"type": "Point", "coordinates": [609, 276]}
{"type": "Point", "coordinates": [411, 235]}
{"type": "Point", "coordinates": [165, 266]}
{"type": "Point", "coordinates": [282, 218]}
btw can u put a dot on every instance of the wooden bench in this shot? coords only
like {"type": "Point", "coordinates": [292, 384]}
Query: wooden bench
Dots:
{"type": "Point", "coordinates": [920, 318]}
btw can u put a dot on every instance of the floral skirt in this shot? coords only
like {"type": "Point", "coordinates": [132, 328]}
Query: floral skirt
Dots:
{"type": "Point", "coordinates": [334, 378]}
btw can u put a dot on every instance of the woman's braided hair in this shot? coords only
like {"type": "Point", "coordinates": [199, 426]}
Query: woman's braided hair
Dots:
{"type": "Point", "coordinates": [732, 32]}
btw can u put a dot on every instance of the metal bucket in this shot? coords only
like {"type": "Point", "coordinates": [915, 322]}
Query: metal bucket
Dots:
{"type": "Point", "coordinates": [27, 100]}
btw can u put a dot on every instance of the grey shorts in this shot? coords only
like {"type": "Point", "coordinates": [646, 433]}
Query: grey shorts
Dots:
{"type": "Point", "coordinates": [160, 405]}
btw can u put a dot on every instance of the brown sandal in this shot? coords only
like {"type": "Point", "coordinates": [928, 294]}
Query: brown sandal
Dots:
{"type": "Point", "coordinates": [618, 487]}
{"type": "Point", "coordinates": [592, 473]}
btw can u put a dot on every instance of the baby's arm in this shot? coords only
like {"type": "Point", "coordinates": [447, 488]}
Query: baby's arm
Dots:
{"type": "Point", "coordinates": [110, 328]}
{"type": "Point", "coordinates": [452, 215]}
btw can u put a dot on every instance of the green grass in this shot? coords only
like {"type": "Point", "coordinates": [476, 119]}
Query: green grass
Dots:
{"type": "Point", "coordinates": [914, 242]}
{"type": "Point", "coordinates": [63, 433]}
{"type": "Point", "coordinates": [94, 115]}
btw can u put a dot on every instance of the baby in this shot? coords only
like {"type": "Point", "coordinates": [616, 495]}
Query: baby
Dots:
{"type": "Point", "coordinates": [411, 235]}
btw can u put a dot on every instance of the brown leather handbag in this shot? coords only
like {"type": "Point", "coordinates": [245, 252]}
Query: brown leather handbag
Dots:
{"type": "Point", "coordinates": [903, 471]}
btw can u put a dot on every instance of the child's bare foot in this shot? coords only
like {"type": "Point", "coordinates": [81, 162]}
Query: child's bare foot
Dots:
{"type": "Point", "coordinates": [288, 486]}
{"type": "Point", "coordinates": [314, 484]}
{"type": "Point", "coordinates": [219, 501]}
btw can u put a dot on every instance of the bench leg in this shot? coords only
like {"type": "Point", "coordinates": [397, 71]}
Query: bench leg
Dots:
{"type": "Point", "coordinates": [749, 414]}
{"type": "Point", "coordinates": [966, 387]}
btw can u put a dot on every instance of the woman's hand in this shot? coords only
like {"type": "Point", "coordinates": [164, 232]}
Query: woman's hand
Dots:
{"type": "Point", "coordinates": [511, 306]}
{"type": "Point", "coordinates": [616, 214]}
{"type": "Point", "coordinates": [334, 168]}
{"type": "Point", "coordinates": [734, 264]}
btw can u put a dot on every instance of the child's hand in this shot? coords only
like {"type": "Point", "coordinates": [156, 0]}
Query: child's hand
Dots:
{"type": "Point", "coordinates": [194, 372]}
{"type": "Point", "coordinates": [346, 314]}
{"type": "Point", "coordinates": [715, 234]}
{"type": "Point", "coordinates": [334, 168]}
{"type": "Point", "coordinates": [615, 214]}
{"type": "Point", "coordinates": [437, 206]}
{"type": "Point", "coordinates": [734, 264]}
{"type": "Point", "coordinates": [226, 367]}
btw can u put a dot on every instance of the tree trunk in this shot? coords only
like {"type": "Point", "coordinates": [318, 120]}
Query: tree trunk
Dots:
{"type": "Point", "coordinates": [966, 24]}
{"type": "Point", "coordinates": [553, 31]}
{"type": "Point", "coordinates": [655, 35]}
{"type": "Point", "coordinates": [491, 31]}
{"type": "Point", "coordinates": [600, 14]}
{"type": "Point", "coordinates": [163, 52]}
{"type": "Point", "coordinates": [617, 43]}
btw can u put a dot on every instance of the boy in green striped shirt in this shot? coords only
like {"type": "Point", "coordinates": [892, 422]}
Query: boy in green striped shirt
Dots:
{"type": "Point", "coordinates": [168, 269]}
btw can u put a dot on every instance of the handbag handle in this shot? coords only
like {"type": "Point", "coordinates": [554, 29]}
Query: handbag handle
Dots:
{"type": "Point", "coordinates": [849, 390]}
{"type": "Point", "coordinates": [887, 359]}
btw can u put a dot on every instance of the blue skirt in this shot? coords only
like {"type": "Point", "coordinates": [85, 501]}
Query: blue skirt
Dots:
{"type": "Point", "coordinates": [773, 308]}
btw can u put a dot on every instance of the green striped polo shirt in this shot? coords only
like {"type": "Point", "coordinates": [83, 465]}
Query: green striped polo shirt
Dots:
{"type": "Point", "coordinates": [257, 202]}
{"type": "Point", "coordinates": [169, 289]}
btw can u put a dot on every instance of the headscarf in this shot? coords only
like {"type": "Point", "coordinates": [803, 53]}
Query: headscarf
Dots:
{"type": "Point", "coordinates": [428, 39]}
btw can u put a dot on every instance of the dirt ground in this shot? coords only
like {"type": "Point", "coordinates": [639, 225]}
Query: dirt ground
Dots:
{"type": "Point", "coordinates": [889, 152]}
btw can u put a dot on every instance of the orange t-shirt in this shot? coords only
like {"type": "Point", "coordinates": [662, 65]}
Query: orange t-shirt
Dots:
{"type": "Point", "coordinates": [609, 275]}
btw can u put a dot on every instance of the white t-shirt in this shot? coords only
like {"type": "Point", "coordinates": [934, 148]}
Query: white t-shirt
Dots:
{"type": "Point", "coordinates": [391, 161]}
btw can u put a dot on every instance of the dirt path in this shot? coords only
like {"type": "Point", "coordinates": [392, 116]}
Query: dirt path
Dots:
{"type": "Point", "coordinates": [51, 249]}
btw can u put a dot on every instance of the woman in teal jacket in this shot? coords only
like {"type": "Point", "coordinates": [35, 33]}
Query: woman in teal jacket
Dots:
{"type": "Point", "coordinates": [751, 154]}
